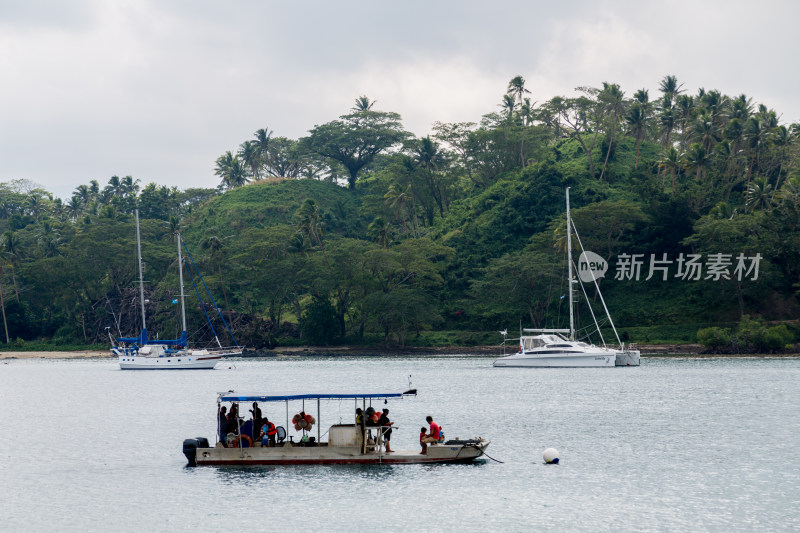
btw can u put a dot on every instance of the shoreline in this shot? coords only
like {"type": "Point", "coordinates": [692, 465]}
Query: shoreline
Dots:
{"type": "Point", "coordinates": [654, 350]}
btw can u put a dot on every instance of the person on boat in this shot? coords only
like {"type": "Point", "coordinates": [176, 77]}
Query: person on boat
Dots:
{"type": "Point", "coordinates": [371, 420]}
{"type": "Point", "coordinates": [386, 428]}
{"type": "Point", "coordinates": [422, 435]}
{"type": "Point", "coordinates": [233, 421]}
{"type": "Point", "coordinates": [233, 418]}
{"type": "Point", "coordinates": [223, 425]}
{"type": "Point", "coordinates": [268, 433]}
{"type": "Point", "coordinates": [362, 421]}
{"type": "Point", "coordinates": [256, 413]}
{"type": "Point", "coordinates": [433, 433]}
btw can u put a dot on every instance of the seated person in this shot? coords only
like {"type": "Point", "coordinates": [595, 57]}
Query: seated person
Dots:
{"type": "Point", "coordinates": [433, 435]}
{"type": "Point", "coordinates": [268, 433]}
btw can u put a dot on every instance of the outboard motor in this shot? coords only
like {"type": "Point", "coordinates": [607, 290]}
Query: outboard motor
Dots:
{"type": "Point", "coordinates": [190, 450]}
{"type": "Point", "coordinates": [202, 442]}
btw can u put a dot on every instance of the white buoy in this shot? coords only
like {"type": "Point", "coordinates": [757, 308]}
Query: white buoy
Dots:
{"type": "Point", "coordinates": [550, 456]}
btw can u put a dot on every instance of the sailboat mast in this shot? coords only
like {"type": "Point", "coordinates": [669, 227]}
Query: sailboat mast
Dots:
{"type": "Point", "coordinates": [141, 275]}
{"type": "Point", "coordinates": [180, 272]}
{"type": "Point", "coordinates": [569, 270]}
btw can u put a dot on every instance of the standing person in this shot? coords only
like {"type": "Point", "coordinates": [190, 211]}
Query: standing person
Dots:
{"type": "Point", "coordinates": [223, 425]}
{"type": "Point", "coordinates": [433, 433]}
{"type": "Point", "coordinates": [386, 427]}
{"type": "Point", "coordinates": [421, 443]}
{"type": "Point", "coordinates": [256, 412]}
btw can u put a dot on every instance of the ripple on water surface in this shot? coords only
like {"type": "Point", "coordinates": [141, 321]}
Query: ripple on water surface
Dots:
{"type": "Point", "coordinates": [676, 444]}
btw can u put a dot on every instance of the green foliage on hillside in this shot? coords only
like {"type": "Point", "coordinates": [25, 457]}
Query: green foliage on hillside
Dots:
{"type": "Point", "coordinates": [360, 232]}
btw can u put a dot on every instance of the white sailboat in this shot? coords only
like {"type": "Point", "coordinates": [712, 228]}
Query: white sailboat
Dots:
{"type": "Point", "coordinates": [558, 347]}
{"type": "Point", "coordinates": [141, 353]}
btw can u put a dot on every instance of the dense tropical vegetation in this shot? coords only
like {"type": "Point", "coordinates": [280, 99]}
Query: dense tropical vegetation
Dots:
{"type": "Point", "coordinates": [361, 232]}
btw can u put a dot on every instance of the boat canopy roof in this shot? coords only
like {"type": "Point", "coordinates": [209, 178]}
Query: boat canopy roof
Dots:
{"type": "Point", "coordinates": [232, 396]}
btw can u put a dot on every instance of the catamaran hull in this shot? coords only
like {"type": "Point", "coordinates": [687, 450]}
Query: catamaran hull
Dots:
{"type": "Point", "coordinates": [206, 362]}
{"type": "Point", "coordinates": [324, 455]}
{"type": "Point", "coordinates": [628, 358]}
{"type": "Point", "coordinates": [557, 361]}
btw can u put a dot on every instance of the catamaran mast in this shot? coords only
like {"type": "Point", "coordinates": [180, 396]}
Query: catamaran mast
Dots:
{"type": "Point", "coordinates": [569, 270]}
{"type": "Point", "coordinates": [180, 271]}
{"type": "Point", "coordinates": [141, 276]}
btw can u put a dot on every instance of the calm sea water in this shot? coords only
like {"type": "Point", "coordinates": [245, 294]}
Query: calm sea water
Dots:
{"type": "Point", "coordinates": [674, 445]}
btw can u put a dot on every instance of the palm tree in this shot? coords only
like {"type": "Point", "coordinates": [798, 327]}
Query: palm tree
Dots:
{"type": "Point", "coordinates": [613, 102]}
{"type": "Point", "coordinates": [754, 134]}
{"type": "Point", "coordinates": [759, 195]}
{"type": "Point", "coordinates": [74, 207]}
{"type": "Point", "coordinates": [696, 159]}
{"type": "Point", "coordinates": [667, 119]}
{"type": "Point", "coordinates": [379, 231]}
{"type": "Point", "coordinates": [48, 239]}
{"type": "Point", "coordinates": [705, 131]}
{"type": "Point", "coordinates": [114, 186]}
{"type": "Point", "coordinates": [685, 111]}
{"type": "Point", "coordinates": [3, 306]}
{"type": "Point", "coordinates": [363, 104]}
{"type": "Point", "coordinates": [12, 252]}
{"type": "Point", "coordinates": [508, 105]}
{"type": "Point", "coordinates": [516, 88]}
{"type": "Point", "coordinates": [722, 211]}
{"type": "Point", "coordinates": [263, 137]}
{"type": "Point", "coordinates": [670, 88]}
{"type": "Point", "coordinates": [298, 243]}
{"type": "Point", "coordinates": [398, 200]}
{"type": "Point", "coordinates": [428, 156]}
{"type": "Point", "coordinates": [82, 192]}
{"type": "Point", "coordinates": [310, 223]}
{"type": "Point", "coordinates": [251, 157]}
{"type": "Point", "coordinates": [671, 163]}
{"type": "Point", "coordinates": [230, 169]}
{"type": "Point", "coordinates": [637, 126]}
{"type": "Point", "coordinates": [741, 108]}
{"type": "Point", "coordinates": [129, 186]}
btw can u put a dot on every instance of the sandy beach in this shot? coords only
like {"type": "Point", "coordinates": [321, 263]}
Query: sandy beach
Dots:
{"type": "Point", "coordinates": [82, 354]}
{"type": "Point", "coordinates": [655, 350]}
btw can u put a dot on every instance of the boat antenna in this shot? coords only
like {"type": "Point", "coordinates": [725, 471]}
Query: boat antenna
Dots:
{"type": "Point", "coordinates": [180, 276]}
{"type": "Point", "coordinates": [569, 276]}
{"type": "Point", "coordinates": [141, 275]}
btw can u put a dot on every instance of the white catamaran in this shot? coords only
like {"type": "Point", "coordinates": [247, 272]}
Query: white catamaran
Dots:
{"type": "Point", "coordinates": [141, 353]}
{"type": "Point", "coordinates": [558, 347]}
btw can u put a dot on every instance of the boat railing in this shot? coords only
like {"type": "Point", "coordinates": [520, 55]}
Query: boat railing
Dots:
{"type": "Point", "coordinates": [374, 445]}
{"type": "Point", "coordinates": [225, 350]}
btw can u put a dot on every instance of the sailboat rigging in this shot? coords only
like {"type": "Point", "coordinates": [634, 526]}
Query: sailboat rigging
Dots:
{"type": "Point", "coordinates": [142, 353]}
{"type": "Point", "coordinates": [559, 347]}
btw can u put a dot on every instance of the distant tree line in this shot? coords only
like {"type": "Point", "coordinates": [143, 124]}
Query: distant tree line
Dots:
{"type": "Point", "coordinates": [360, 227]}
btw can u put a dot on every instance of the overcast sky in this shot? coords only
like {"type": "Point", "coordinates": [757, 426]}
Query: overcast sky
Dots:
{"type": "Point", "coordinates": [158, 89]}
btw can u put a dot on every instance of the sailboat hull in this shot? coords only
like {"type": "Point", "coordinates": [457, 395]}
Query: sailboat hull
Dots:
{"type": "Point", "coordinates": [564, 360]}
{"type": "Point", "coordinates": [182, 362]}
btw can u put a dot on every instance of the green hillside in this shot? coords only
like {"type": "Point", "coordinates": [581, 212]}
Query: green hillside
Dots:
{"type": "Point", "coordinates": [361, 233]}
